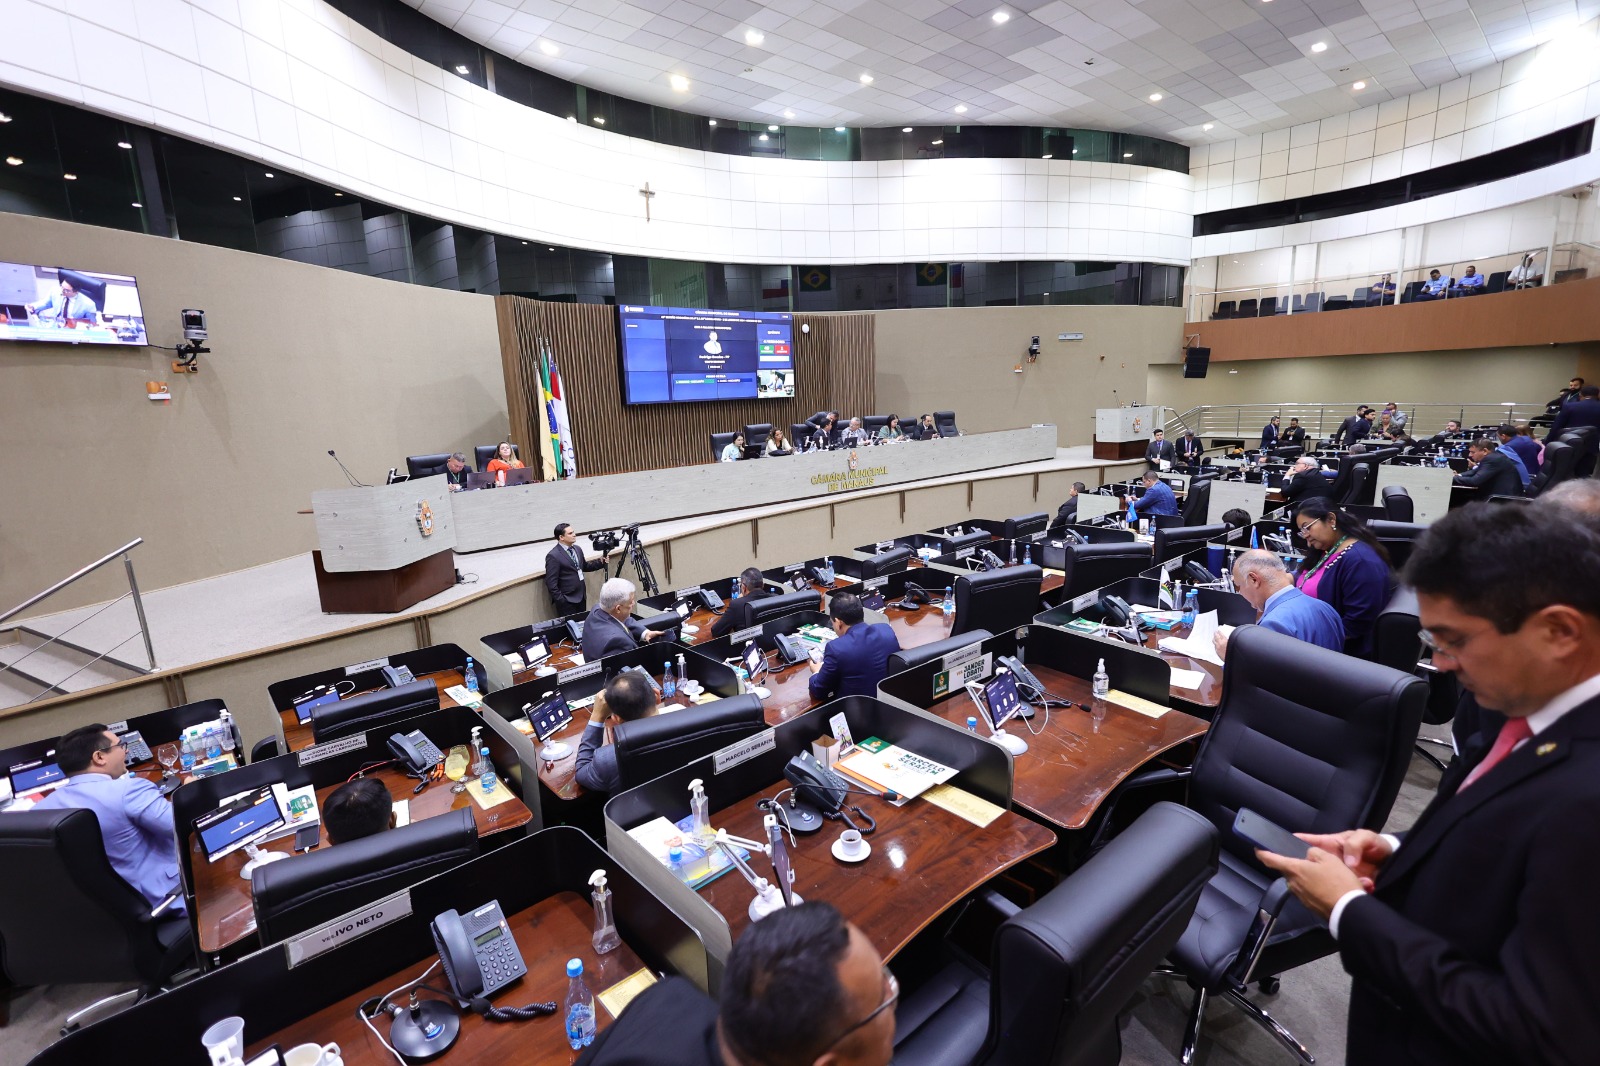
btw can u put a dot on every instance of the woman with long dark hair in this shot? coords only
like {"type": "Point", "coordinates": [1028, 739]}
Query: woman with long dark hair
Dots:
{"type": "Point", "coordinates": [1346, 567]}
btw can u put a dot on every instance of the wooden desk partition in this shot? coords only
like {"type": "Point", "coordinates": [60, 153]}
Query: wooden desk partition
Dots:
{"type": "Point", "coordinates": [441, 663]}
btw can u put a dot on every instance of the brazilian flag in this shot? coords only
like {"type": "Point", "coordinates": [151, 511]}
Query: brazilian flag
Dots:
{"type": "Point", "coordinates": [816, 279]}
{"type": "Point", "coordinates": [931, 274]}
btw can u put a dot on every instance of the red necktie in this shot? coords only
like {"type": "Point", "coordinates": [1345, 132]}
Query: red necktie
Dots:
{"type": "Point", "coordinates": [1514, 732]}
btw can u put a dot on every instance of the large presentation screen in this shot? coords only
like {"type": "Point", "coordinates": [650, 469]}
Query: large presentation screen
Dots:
{"type": "Point", "coordinates": [681, 354]}
{"type": "Point", "coordinates": [55, 303]}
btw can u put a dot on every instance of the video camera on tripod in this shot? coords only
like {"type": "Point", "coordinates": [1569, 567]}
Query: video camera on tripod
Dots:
{"type": "Point", "coordinates": [606, 541]}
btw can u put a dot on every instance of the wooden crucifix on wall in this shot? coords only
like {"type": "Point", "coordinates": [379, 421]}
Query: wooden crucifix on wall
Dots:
{"type": "Point", "coordinates": [648, 196]}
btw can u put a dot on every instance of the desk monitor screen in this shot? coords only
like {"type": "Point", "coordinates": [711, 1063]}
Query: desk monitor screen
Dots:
{"type": "Point", "coordinates": [30, 778]}
{"type": "Point", "coordinates": [244, 821]}
{"type": "Point", "coordinates": [58, 304]}
{"type": "Point", "coordinates": [1003, 701]}
{"type": "Point", "coordinates": [523, 476]}
{"type": "Point", "coordinates": [549, 716]}
{"type": "Point", "coordinates": [534, 652]}
{"type": "Point", "coordinates": [754, 661]}
{"type": "Point", "coordinates": [682, 354]}
{"type": "Point", "coordinates": [302, 710]}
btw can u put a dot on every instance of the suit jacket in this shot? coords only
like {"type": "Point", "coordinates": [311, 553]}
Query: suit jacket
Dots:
{"type": "Point", "coordinates": [737, 616]}
{"type": "Point", "coordinates": [1576, 415]}
{"type": "Point", "coordinates": [671, 1023]}
{"type": "Point", "coordinates": [1304, 486]}
{"type": "Point", "coordinates": [852, 665]}
{"type": "Point", "coordinates": [1474, 948]}
{"type": "Point", "coordinates": [1157, 451]}
{"type": "Point", "coordinates": [1066, 515]}
{"type": "Point", "coordinates": [1495, 476]}
{"type": "Point", "coordinates": [1358, 585]}
{"type": "Point", "coordinates": [1293, 613]}
{"type": "Point", "coordinates": [1527, 450]}
{"type": "Point", "coordinates": [1157, 499]}
{"type": "Point", "coordinates": [1269, 436]}
{"type": "Point", "coordinates": [603, 635]}
{"type": "Point", "coordinates": [136, 825]}
{"type": "Point", "coordinates": [1293, 435]}
{"type": "Point", "coordinates": [1189, 451]}
{"type": "Point", "coordinates": [563, 577]}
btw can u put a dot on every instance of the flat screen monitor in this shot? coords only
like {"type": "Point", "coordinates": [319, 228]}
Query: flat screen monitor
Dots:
{"type": "Point", "coordinates": [68, 306]}
{"type": "Point", "coordinates": [684, 355]}
{"type": "Point", "coordinates": [1002, 702]}
{"type": "Point", "coordinates": [755, 663]}
{"type": "Point", "coordinates": [549, 716]}
{"type": "Point", "coordinates": [245, 821]}
{"type": "Point", "coordinates": [30, 778]}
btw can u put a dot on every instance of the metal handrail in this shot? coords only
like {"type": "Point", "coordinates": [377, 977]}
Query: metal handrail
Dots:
{"type": "Point", "coordinates": [64, 582]}
{"type": "Point", "coordinates": [1320, 419]}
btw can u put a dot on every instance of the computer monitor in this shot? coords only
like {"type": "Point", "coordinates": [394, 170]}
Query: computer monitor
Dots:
{"type": "Point", "coordinates": [477, 479]}
{"type": "Point", "coordinates": [31, 778]}
{"type": "Point", "coordinates": [550, 715]}
{"type": "Point", "coordinates": [754, 661]}
{"type": "Point", "coordinates": [888, 562]}
{"type": "Point", "coordinates": [242, 822]}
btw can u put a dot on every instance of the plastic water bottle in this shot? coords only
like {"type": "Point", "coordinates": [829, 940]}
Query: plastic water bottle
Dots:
{"type": "Point", "coordinates": [1027, 555]}
{"type": "Point", "coordinates": [486, 776]}
{"type": "Point", "coordinates": [1013, 559]}
{"type": "Point", "coordinates": [1102, 681]}
{"type": "Point", "coordinates": [972, 724]}
{"type": "Point", "coordinates": [186, 754]}
{"type": "Point", "coordinates": [472, 676]}
{"type": "Point", "coordinates": [675, 863]}
{"type": "Point", "coordinates": [579, 1007]}
{"type": "Point", "coordinates": [1191, 607]}
{"type": "Point", "coordinates": [949, 600]}
{"type": "Point", "coordinates": [669, 684]}
{"type": "Point", "coordinates": [213, 742]}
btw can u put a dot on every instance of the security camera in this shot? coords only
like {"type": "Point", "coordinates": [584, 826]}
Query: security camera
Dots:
{"type": "Point", "coordinates": [1033, 350]}
{"type": "Point", "coordinates": [194, 325]}
{"type": "Point", "coordinates": [194, 334]}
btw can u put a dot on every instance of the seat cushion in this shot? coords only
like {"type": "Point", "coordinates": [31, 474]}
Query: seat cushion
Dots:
{"type": "Point", "coordinates": [1228, 906]}
{"type": "Point", "coordinates": [945, 1022]}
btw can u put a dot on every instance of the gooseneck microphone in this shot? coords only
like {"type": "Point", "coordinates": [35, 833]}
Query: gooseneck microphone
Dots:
{"type": "Point", "coordinates": [348, 476]}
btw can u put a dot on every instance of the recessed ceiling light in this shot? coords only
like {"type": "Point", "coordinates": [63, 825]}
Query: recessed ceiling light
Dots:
{"type": "Point", "coordinates": [599, 121]}
{"type": "Point", "coordinates": [4, 117]}
{"type": "Point", "coordinates": [936, 142]}
{"type": "Point", "coordinates": [124, 144]}
{"type": "Point", "coordinates": [238, 199]}
{"type": "Point", "coordinates": [1320, 46]}
{"type": "Point", "coordinates": [461, 68]}
{"type": "Point", "coordinates": [711, 122]}
{"type": "Point", "coordinates": [136, 203]}
{"type": "Point", "coordinates": [69, 177]}
{"type": "Point", "coordinates": [866, 79]}
{"type": "Point", "coordinates": [1047, 155]}
{"type": "Point", "coordinates": [524, 243]}
{"type": "Point", "coordinates": [1209, 126]}
{"type": "Point", "coordinates": [753, 37]}
{"type": "Point", "coordinates": [1127, 155]}
{"type": "Point", "coordinates": [961, 109]}
{"type": "Point", "coordinates": [762, 137]}
{"type": "Point", "coordinates": [788, 114]}
{"type": "Point", "coordinates": [549, 49]}
{"type": "Point", "coordinates": [1155, 98]}
{"type": "Point", "coordinates": [572, 118]}
{"type": "Point", "coordinates": [14, 160]}
{"type": "Point", "coordinates": [270, 174]}
{"type": "Point", "coordinates": [338, 194]}
{"type": "Point", "coordinates": [1074, 151]}
{"type": "Point", "coordinates": [1358, 86]}
{"type": "Point", "coordinates": [549, 249]}
{"type": "Point", "coordinates": [1001, 17]}
{"type": "Point", "coordinates": [838, 129]}
{"type": "Point", "coordinates": [905, 129]}
{"type": "Point", "coordinates": [772, 129]}
{"type": "Point", "coordinates": [680, 83]}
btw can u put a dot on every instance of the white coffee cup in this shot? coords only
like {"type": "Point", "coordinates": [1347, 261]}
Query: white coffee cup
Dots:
{"type": "Point", "coordinates": [313, 1055]}
{"type": "Point", "coordinates": [850, 842]}
{"type": "Point", "coordinates": [228, 1032]}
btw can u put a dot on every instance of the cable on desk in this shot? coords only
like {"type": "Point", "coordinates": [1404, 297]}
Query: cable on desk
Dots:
{"type": "Point", "coordinates": [382, 1006]}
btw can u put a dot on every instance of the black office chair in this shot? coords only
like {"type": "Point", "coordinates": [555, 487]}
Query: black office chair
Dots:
{"type": "Point", "coordinates": [308, 890]}
{"type": "Point", "coordinates": [1268, 307]}
{"type": "Point", "coordinates": [1397, 504]}
{"type": "Point", "coordinates": [1196, 505]}
{"type": "Point", "coordinates": [1397, 644]}
{"type": "Point", "coordinates": [906, 658]}
{"type": "Point", "coordinates": [1397, 538]}
{"type": "Point", "coordinates": [1173, 541]}
{"type": "Point", "coordinates": [997, 600]}
{"type": "Point", "coordinates": [720, 441]}
{"type": "Point", "coordinates": [1247, 308]}
{"type": "Point", "coordinates": [768, 607]}
{"type": "Point", "coordinates": [427, 465]}
{"type": "Point", "coordinates": [946, 423]}
{"type": "Point", "coordinates": [1559, 463]}
{"type": "Point", "coordinates": [800, 434]}
{"type": "Point", "coordinates": [1288, 451]}
{"type": "Point", "coordinates": [1354, 485]}
{"type": "Point", "coordinates": [1314, 740]}
{"type": "Point", "coordinates": [484, 452]}
{"type": "Point", "coordinates": [755, 438]}
{"type": "Point", "coordinates": [968, 540]}
{"type": "Point", "coordinates": [66, 917]}
{"type": "Point", "coordinates": [650, 747]}
{"type": "Point", "coordinates": [1094, 566]}
{"type": "Point", "coordinates": [265, 748]}
{"type": "Point", "coordinates": [1024, 525]}
{"type": "Point", "coordinates": [386, 706]}
{"type": "Point", "coordinates": [873, 423]}
{"type": "Point", "coordinates": [889, 562]}
{"type": "Point", "coordinates": [1063, 970]}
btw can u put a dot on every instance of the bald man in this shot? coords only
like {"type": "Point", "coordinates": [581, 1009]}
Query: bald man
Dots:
{"type": "Point", "coordinates": [1260, 577]}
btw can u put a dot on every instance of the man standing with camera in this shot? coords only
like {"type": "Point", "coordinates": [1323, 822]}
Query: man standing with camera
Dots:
{"type": "Point", "coordinates": [564, 568]}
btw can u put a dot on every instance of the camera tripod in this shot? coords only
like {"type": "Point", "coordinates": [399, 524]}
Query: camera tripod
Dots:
{"type": "Point", "coordinates": [643, 571]}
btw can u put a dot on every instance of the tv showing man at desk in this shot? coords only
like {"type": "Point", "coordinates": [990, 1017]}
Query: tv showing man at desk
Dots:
{"type": "Point", "coordinates": [52, 303]}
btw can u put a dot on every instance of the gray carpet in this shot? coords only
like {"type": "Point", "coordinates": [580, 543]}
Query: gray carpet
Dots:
{"type": "Point", "coordinates": [1311, 1002]}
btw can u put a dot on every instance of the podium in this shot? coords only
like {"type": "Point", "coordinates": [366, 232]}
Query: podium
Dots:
{"type": "Point", "coordinates": [383, 548]}
{"type": "Point", "coordinates": [1123, 432]}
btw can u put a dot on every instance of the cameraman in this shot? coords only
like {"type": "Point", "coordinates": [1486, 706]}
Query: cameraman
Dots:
{"type": "Point", "coordinates": [564, 568]}
{"type": "Point", "coordinates": [611, 627]}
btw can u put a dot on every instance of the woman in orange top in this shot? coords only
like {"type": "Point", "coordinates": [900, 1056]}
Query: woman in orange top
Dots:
{"type": "Point", "coordinates": [504, 459]}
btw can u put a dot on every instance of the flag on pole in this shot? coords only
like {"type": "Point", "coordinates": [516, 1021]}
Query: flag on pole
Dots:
{"type": "Point", "coordinates": [1164, 597]}
{"type": "Point", "coordinates": [552, 427]}
{"type": "Point", "coordinates": [547, 452]}
{"type": "Point", "coordinates": [569, 455]}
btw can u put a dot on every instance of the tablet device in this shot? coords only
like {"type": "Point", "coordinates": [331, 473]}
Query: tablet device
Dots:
{"type": "Point", "coordinates": [302, 710]}
{"type": "Point", "coordinates": [549, 715]}
{"type": "Point", "coordinates": [244, 821]}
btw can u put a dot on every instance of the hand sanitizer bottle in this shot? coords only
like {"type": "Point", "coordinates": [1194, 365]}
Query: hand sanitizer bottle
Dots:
{"type": "Point", "coordinates": [700, 809]}
{"type": "Point", "coordinates": [1102, 681]}
{"type": "Point", "coordinates": [606, 937]}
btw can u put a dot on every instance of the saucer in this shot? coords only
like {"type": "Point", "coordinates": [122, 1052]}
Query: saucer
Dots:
{"type": "Point", "coordinates": [838, 851]}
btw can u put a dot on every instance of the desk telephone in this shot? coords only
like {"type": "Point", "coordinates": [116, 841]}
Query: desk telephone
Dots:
{"type": "Point", "coordinates": [1023, 675]}
{"type": "Point", "coordinates": [479, 954]}
{"type": "Point", "coordinates": [713, 601]}
{"type": "Point", "coordinates": [138, 750]}
{"type": "Point", "coordinates": [792, 648]}
{"type": "Point", "coordinates": [414, 753]}
{"type": "Point", "coordinates": [397, 675]}
{"type": "Point", "coordinates": [817, 786]}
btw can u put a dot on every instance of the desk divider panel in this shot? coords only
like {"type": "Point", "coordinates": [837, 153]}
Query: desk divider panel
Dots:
{"type": "Point", "coordinates": [157, 728]}
{"type": "Point", "coordinates": [422, 661]}
{"type": "Point", "coordinates": [504, 643]}
{"type": "Point", "coordinates": [581, 682]}
{"type": "Point", "coordinates": [723, 647]}
{"type": "Point", "coordinates": [932, 579]}
{"type": "Point", "coordinates": [984, 769]}
{"type": "Point", "coordinates": [270, 993]}
{"type": "Point", "coordinates": [1232, 609]}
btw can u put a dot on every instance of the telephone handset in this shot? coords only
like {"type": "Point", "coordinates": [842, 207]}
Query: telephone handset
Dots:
{"type": "Point", "coordinates": [397, 675]}
{"type": "Point", "coordinates": [415, 753]}
{"type": "Point", "coordinates": [792, 648]}
{"type": "Point", "coordinates": [1023, 675]}
{"type": "Point", "coordinates": [479, 954]}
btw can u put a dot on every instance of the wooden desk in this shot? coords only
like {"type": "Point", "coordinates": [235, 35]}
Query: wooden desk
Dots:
{"type": "Point", "coordinates": [790, 689]}
{"type": "Point", "coordinates": [222, 903]}
{"type": "Point", "coordinates": [923, 860]}
{"type": "Point", "coordinates": [547, 934]}
{"type": "Point", "coordinates": [1209, 694]}
{"type": "Point", "coordinates": [297, 737]}
{"type": "Point", "coordinates": [924, 625]}
{"type": "Point", "coordinates": [1064, 779]}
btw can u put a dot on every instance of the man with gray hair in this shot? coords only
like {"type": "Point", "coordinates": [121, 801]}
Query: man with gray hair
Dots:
{"type": "Point", "coordinates": [611, 627]}
{"type": "Point", "coordinates": [1303, 482]}
{"type": "Point", "coordinates": [1260, 577]}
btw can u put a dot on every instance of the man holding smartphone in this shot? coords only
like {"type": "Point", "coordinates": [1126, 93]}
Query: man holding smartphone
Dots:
{"type": "Point", "coordinates": [1470, 940]}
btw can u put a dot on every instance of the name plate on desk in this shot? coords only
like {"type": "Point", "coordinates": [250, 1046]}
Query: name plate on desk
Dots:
{"type": "Point", "coordinates": [962, 655]}
{"type": "Point", "coordinates": [742, 635]}
{"type": "Point", "coordinates": [1084, 602]}
{"type": "Point", "coordinates": [576, 673]}
{"type": "Point", "coordinates": [875, 582]}
{"type": "Point", "coordinates": [370, 664]}
{"type": "Point", "coordinates": [346, 928]}
{"type": "Point", "coordinates": [744, 751]}
{"type": "Point", "coordinates": [319, 752]}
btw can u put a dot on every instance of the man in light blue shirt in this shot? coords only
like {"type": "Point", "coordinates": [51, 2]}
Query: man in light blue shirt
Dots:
{"type": "Point", "coordinates": [1471, 281]}
{"type": "Point", "coordinates": [69, 303]}
{"type": "Point", "coordinates": [1157, 497]}
{"type": "Point", "coordinates": [135, 819]}
{"type": "Point", "coordinates": [1434, 288]}
{"type": "Point", "coordinates": [1260, 577]}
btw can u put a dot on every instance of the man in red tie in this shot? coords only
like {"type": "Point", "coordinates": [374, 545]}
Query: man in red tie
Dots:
{"type": "Point", "coordinates": [1473, 940]}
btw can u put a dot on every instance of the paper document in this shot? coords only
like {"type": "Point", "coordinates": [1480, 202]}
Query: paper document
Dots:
{"type": "Point", "coordinates": [1197, 645]}
{"type": "Point", "coordinates": [1190, 679]}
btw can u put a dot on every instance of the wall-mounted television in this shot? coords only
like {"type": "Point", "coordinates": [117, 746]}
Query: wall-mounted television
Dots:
{"type": "Point", "coordinates": [682, 354]}
{"type": "Point", "coordinates": [56, 303]}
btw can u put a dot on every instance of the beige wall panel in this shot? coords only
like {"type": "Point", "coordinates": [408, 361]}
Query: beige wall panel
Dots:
{"type": "Point", "coordinates": [55, 717]}
{"type": "Point", "coordinates": [704, 556]}
{"type": "Point", "coordinates": [790, 538]}
{"type": "Point", "coordinates": [935, 507]}
{"type": "Point", "coordinates": [518, 604]}
{"type": "Point", "coordinates": [1003, 497]}
{"type": "Point", "coordinates": [861, 521]}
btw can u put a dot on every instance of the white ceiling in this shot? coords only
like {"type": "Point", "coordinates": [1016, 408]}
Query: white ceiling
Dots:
{"type": "Point", "coordinates": [1245, 66]}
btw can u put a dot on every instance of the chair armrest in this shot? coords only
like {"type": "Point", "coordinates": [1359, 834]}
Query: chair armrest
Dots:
{"type": "Point", "coordinates": [161, 908]}
{"type": "Point", "coordinates": [1146, 779]}
{"type": "Point", "coordinates": [1255, 940]}
{"type": "Point", "coordinates": [1002, 906]}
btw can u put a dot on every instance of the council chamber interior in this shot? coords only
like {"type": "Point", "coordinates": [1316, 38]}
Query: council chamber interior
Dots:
{"type": "Point", "coordinates": [937, 398]}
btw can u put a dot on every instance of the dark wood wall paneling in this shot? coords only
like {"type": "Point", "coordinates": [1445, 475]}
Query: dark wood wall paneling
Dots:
{"type": "Point", "coordinates": [835, 368]}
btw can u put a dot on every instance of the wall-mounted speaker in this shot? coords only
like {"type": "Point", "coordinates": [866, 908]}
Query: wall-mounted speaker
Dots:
{"type": "Point", "coordinates": [1195, 362]}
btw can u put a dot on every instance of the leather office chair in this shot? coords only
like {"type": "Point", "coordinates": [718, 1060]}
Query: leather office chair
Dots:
{"type": "Point", "coordinates": [997, 600]}
{"type": "Point", "coordinates": [720, 441]}
{"type": "Point", "coordinates": [1063, 970]}
{"type": "Point", "coordinates": [873, 423]}
{"type": "Point", "coordinates": [1247, 308]}
{"type": "Point", "coordinates": [755, 438]}
{"type": "Point", "coordinates": [1397, 538]}
{"type": "Point", "coordinates": [1268, 307]}
{"type": "Point", "coordinates": [906, 658]}
{"type": "Point", "coordinates": [946, 423]}
{"type": "Point", "coordinates": [888, 562]}
{"type": "Point", "coordinates": [1024, 525]}
{"type": "Point", "coordinates": [1173, 541]}
{"type": "Point", "coordinates": [66, 917]}
{"type": "Point", "coordinates": [427, 465]}
{"type": "Point", "coordinates": [1560, 460]}
{"type": "Point", "coordinates": [1397, 644]}
{"type": "Point", "coordinates": [1397, 504]}
{"type": "Point", "coordinates": [800, 434]}
{"type": "Point", "coordinates": [768, 607]}
{"type": "Point", "coordinates": [1094, 566]}
{"type": "Point", "coordinates": [1196, 503]}
{"type": "Point", "coordinates": [1354, 484]}
{"type": "Point", "coordinates": [650, 747]}
{"type": "Point", "coordinates": [291, 897]}
{"type": "Point", "coordinates": [265, 748]}
{"type": "Point", "coordinates": [1288, 451]}
{"type": "Point", "coordinates": [1314, 740]}
{"type": "Point", "coordinates": [968, 540]}
{"type": "Point", "coordinates": [484, 452]}
{"type": "Point", "coordinates": [388, 706]}
{"type": "Point", "coordinates": [1225, 309]}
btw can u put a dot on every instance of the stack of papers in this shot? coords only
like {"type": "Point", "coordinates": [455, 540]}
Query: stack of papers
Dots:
{"type": "Point", "coordinates": [884, 767]}
{"type": "Point", "coordinates": [1198, 644]}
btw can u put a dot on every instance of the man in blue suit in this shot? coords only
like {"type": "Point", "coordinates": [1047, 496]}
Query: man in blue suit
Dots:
{"type": "Point", "coordinates": [1260, 577]}
{"type": "Point", "coordinates": [1584, 411]}
{"type": "Point", "coordinates": [1157, 497]}
{"type": "Point", "coordinates": [854, 662]}
{"type": "Point", "coordinates": [135, 819]}
{"type": "Point", "coordinates": [611, 627]}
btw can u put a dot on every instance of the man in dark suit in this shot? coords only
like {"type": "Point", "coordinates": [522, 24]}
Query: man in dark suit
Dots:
{"type": "Point", "coordinates": [1270, 435]}
{"type": "Point", "coordinates": [1295, 433]}
{"type": "Point", "coordinates": [1492, 473]}
{"type": "Point", "coordinates": [1565, 396]}
{"type": "Point", "coordinates": [1159, 448]}
{"type": "Point", "coordinates": [1067, 513]}
{"type": "Point", "coordinates": [1585, 411]}
{"type": "Point", "coordinates": [1355, 428]}
{"type": "Point", "coordinates": [564, 568]}
{"type": "Point", "coordinates": [854, 662]}
{"type": "Point", "coordinates": [1451, 429]}
{"type": "Point", "coordinates": [1304, 482]}
{"type": "Point", "coordinates": [611, 627]}
{"type": "Point", "coordinates": [752, 587]}
{"type": "Point", "coordinates": [1469, 940]}
{"type": "Point", "coordinates": [1189, 450]}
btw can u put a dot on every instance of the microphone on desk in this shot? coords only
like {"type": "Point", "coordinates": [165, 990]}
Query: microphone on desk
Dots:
{"type": "Point", "coordinates": [347, 474]}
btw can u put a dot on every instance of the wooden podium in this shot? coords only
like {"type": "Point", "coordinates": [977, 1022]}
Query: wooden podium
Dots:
{"type": "Point", "coordinates": [383, 548]}
{"type": "Point", "coordinates": [1124, 432]}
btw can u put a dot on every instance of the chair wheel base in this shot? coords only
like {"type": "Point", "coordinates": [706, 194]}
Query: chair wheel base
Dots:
{"type": "Point", "coordinates": [1268, 986]}
{"type": "Point", "coordinates": [68, 1030]}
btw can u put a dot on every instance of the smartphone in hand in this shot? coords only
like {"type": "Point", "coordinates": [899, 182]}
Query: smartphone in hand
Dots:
{"type": "Point", "coordinates": [1267, 835]}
